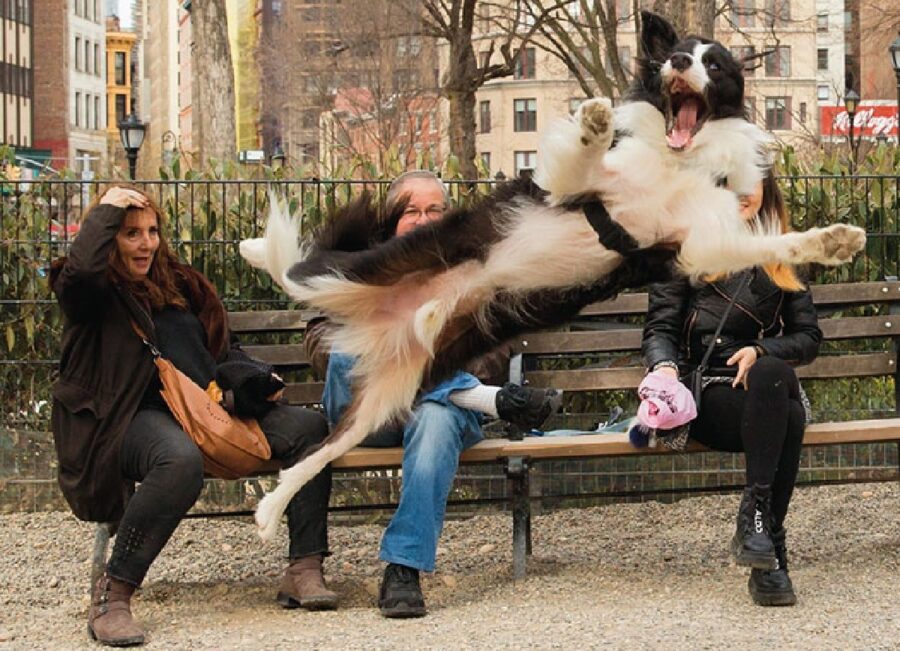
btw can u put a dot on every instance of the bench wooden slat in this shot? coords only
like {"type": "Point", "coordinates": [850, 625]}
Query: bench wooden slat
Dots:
{"type": "Point", "coordinates": [270, 320]}
{"type": "Point", "coordinates": [361, 458]}
{"type": "Point", "coordinates": [279, 354]}
{"type": "Point", "coordinates": [627, 339]}
{"type": "Point", "coordinates": [823, 295]}
{"type": "Point", "coordinates": [304, 393]}
{"type": "Point", "coordinates": [598, 445]}
{"type": "Point", "coordinates": [629, 377]}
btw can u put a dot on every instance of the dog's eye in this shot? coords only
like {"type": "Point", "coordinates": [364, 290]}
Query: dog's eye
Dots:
{"type": "Point", "coordinates": [713, 66]}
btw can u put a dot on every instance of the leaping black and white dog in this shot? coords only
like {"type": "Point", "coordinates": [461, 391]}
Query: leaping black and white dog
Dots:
{"type": "Point", "coordinates": [666, 167]}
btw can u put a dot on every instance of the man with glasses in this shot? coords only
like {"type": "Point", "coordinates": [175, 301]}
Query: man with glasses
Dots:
{"type": "Point", "coordinates": [445, 421]}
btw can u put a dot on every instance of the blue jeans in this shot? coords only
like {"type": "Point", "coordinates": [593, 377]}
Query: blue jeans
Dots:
{"type": "Point", "coordinates": [432, 441]}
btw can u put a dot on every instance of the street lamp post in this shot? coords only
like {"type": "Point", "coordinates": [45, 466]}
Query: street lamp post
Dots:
{"type": "Point", "coordinates": [278, 156]}
{"type": "Point", "coordinates": [131, 132]}
{"type": "Point", "coordinates": [894, 49]}
{"type": "Point", "coordinates": [851, 103]}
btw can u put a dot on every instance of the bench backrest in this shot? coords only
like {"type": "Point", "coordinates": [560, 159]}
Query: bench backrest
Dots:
{"type": "Point", "coordinates": [600, 350]}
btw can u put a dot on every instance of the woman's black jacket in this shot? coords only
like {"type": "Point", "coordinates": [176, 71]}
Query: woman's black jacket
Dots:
{"type": "Point", "coordinates": [682, 319]}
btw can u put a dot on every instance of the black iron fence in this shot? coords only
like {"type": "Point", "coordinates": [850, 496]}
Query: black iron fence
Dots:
{"type": "Point", "coordinates": [207, 218]}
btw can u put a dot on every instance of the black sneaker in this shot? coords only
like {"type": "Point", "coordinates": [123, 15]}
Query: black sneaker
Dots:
{"type": "Point", "coordinates": [525, 407]}
{"type": "Point", "coordinates": [400, 594]}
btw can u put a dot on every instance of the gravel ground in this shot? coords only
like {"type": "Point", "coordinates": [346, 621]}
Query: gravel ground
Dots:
{"type": "Point", "coordinates": [628, 576]}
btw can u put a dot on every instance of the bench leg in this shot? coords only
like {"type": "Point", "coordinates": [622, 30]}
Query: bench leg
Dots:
{"type": "Point", "coordinates": [517, 483]}
{"type": "Point", "coordinates": [101, 544]}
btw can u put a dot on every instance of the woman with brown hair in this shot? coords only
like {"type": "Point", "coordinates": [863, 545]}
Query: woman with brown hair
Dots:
{"type": "Point", "coordinates": [111, 426]}
{"type": "Point", "coordinates": [751, 399]}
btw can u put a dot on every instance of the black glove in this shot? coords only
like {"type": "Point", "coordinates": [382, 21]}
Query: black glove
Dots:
{"type": "Point", "coordinates": [247, 385]}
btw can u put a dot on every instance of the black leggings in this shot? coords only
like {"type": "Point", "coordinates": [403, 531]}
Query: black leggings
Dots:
{"type": "Point", "coordinates": [766, 422]}
{"type": "Point", "coordinates": [157, 453]}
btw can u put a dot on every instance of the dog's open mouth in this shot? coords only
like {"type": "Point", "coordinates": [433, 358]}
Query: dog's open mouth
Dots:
{"type": "Point", "coordinates": [687, 111]}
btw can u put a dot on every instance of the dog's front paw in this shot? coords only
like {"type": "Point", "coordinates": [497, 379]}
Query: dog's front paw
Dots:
{"type": "Point", "coordinates": [596, 119]}
{"type": "Point", "coordinates": [840, 243]}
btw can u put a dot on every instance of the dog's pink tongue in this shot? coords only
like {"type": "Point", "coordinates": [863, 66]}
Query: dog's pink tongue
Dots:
{"type": "Point", "coordinates": [680, 135]}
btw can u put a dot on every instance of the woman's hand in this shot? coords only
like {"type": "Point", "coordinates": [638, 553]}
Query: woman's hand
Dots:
{"type": "Point", "coordinates": [744, 358]}
{"type": "Point", "coordinates": [124, 198]}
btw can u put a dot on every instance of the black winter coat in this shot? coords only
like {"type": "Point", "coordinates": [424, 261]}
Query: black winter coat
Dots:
{"type": "Point", "coordinates": [682, 319]}
{"type": "Point", "coordinates": [105, 368]}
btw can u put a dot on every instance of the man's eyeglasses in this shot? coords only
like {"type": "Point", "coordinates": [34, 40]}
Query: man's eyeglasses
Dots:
{"type": "Point", "coordinates": [432, 212]}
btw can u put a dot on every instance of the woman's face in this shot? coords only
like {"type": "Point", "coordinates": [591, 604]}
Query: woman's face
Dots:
{"type": "Point", "coordinates": [751, 203]}
{"type": "Point", "coordinates": [138, 240]}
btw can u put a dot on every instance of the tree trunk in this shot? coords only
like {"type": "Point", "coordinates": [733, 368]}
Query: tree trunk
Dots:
{"type": "Point", "coordinates": [213, 114]}
{"type": "Point", "coordinates": [460, 87]}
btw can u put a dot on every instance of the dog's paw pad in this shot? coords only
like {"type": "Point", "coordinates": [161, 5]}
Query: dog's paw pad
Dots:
{"type": "Point", "coordinates": [596, 118]}
{"type": "Point", "coordinates": [841, 242]}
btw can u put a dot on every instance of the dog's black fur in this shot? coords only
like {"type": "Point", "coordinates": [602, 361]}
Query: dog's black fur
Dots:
{"type": "Point", "coordinates": [359, 242]}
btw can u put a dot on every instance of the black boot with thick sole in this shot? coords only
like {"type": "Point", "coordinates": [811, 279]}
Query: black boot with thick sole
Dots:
{"type": "Point", "coordinates": [773, 587]}
{"type": "Point", "coordinates": [752, 542]}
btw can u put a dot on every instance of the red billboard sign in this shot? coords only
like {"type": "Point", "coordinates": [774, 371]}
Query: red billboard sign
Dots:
{"type": "Point", "coordinates": [872, 119]}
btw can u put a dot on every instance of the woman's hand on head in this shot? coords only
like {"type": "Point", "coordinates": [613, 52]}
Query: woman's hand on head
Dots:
{"type": "Point", "coordinates": [744, 358]}
{"type": "Point", "coordinates": [124, 198]}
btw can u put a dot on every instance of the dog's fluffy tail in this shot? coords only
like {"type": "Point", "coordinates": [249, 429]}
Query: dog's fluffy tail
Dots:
{"type": "Point", "coordinates": [383, 395]}
{"type": "Point", "coordinates": [280, 248]}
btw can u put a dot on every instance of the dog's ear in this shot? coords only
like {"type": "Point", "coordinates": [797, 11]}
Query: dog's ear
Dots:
{"type": "Point", "coordinates": [658, 37]}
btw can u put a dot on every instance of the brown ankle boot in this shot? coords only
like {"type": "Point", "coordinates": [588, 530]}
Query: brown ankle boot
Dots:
{"type": "Point", "coordinates": [110, 621]}
{"type": "Point", "coordinates": [303, 586]}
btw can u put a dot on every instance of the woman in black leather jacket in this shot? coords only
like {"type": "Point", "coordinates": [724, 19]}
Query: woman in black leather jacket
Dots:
{"type": "Point", "coordinates": [752, 401]}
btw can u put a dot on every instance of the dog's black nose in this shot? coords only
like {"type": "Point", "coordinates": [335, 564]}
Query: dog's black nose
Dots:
{"type": "Point", "coordinates": [681, 61]}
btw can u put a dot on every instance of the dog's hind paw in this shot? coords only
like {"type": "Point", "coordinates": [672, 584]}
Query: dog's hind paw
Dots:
{"type": "Point", "coordinates": [596, 119]}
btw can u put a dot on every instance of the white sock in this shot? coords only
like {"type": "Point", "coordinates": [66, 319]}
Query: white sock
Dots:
{"type": "Point", "coordinates": [481, 398]}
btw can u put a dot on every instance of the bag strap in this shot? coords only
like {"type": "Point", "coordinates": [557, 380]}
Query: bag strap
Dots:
{"type": "Point", "coordinates": [712, 344]}
{"type": "Point", "coordinates": [140, 333]}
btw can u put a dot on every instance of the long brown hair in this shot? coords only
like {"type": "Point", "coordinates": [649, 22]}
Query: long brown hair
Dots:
{"type": "Point", "coordinates": [160, 287]}
{"type": "Point", "coordinates": [774, 211]}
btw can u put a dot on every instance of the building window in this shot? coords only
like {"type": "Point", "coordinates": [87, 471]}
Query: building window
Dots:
{"type": "Point", "coordinates": [121, 107]}
{"type": "Point", "coordinates": [525, 162]}
{"type": "Point", "coordinates": [778, 64]}
{"type": "Point", "coordinates": [625, 59]}
{"type": "Point", "coordinates": [524, 68]}
{"type": "Point", "coordinates": [822, 58]}
{"type": "Point", "coordinates": [87, 57]}
{"type": "Point", "coordinates": [486, 161]}
{"type": "Point", "coordinates": [822, 22]}
{"type": "Point", "coordinates": [802, 112]}
{"type": "Point", "coordinates": [97, 112]}
{"type": "Point", "coordinates": [525, 115]}
{"type": "Point", "coordinates": [822, 92]}
{"type": "Point", "coordinates": [778, 12]}
{"type": "Point", "coordinates": [87, 111]}
{"type": "Point", "coordinates": [743, 52]}
{"type": "Point", "coordinates": [778, 113]}
{"type": "Point", "coordinates": [484, 116]}
{"type": "Point", "coordinates": [78, 63]}
{"type": "Point", "coordinates": [77, 109]}
{"type": "Point", "coordinates": [432, 122]}
{"type": "Point", "coordinates": [750, 108]}
{"type": "Point", "coordinates": [119, 63]}
{"type": "Point", "coordinates": [743, 12]}
{"type": "Point", "coordinates": [98, 68]}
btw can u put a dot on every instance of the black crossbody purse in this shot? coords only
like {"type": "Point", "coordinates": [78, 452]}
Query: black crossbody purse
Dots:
{"type": "Point", "coordinates": [693, 379]}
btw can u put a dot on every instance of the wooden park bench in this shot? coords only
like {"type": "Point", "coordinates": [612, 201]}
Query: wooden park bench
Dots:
{"type": "Point", "coordinates": [609, 329]}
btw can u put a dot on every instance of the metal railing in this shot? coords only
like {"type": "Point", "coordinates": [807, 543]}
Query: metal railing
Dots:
{"type": "Point", "coordinates": [205, 221]}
